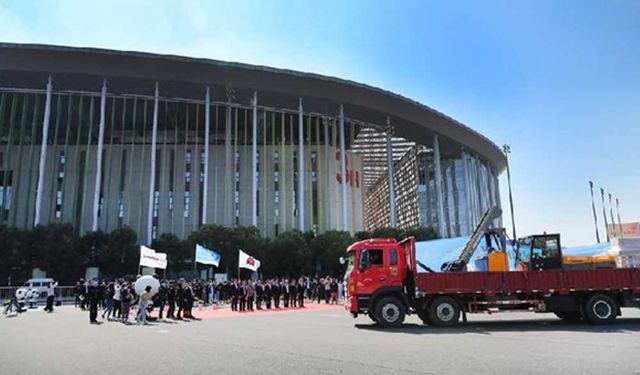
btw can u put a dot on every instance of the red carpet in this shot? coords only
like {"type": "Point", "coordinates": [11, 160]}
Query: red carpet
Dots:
{"type": "Point", "coordinates": [211, 312]}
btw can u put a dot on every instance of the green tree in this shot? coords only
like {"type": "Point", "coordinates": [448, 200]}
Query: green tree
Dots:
{"type": "Point", "coordinates": [288, 255]}
{"type": "Point", "coordinates": [12, 259]}
{"type": "Point", "coordinates": [422, 233]}
{"type": "Point", "coordinates": [54, 248]}
{"type": "Point", "coordinates": [396, 233]}
{"type": "Point", "coordinates": [122, 254]}
{"type": "Point", "coordinates": [327, 248]}
{"type": "Point", "coordinates": [178, 252]}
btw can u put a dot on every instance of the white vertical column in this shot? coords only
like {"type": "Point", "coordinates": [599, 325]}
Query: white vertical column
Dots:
{"type": "Point", "coordinates": [390, 179]}
{"type": "Point", "coordinates": [300, 166]}
{"type": "Point", "coordinates": [496, 192]}
{"type": "Point", "coordinates": [152, 179]}
{"type": "Point", "coordinates": [438, 176]}
{"type": "Point", "coordinates": [343, 171]}
{"type": "Point", "coordinates": [96, 190]}
{"type": "Point", "coordinates": [490, 187]}
{"type": "Point", "coordinates": [254, 162]}
{"type": "Point", "coordinates": [481, 207]}
{"type": "Point", "coordinates": [43, 153]}
{"type": "Point", "coordinates": [205, 177]}
{"type": "Point", "coordinates": [329, 157]}
{"type": "Point", "coordinates": [467, 198]}
{"type": "Point", "coordinates": [229, 177]}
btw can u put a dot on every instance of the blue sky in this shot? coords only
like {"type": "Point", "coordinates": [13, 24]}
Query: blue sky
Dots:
{"type": "Point", "coordinates": [557, 80]}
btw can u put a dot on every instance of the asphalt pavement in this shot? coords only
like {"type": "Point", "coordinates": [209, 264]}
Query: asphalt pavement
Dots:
{"type": "Point", "coordinates": [321, 340]}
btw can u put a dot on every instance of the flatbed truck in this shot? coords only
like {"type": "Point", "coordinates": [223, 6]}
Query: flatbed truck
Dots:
{"type": "Point", "coordinates": [383, 282]}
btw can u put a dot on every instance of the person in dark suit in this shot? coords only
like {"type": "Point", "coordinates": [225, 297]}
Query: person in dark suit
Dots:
{"type": "Point", "coordinates": [259, 294]}
{"type": "Point", "coordinates": [180, 291]}
{"type": "Point", "coordinates": [189, 297]}
{"type": "Point", "coordinates": [275, 289]}
{"type": "Point", "coordinates": [301, 292]}
{"type": "Point", "coordinates": [284, 290]}
{"type": "Point", "coordinates": [171, 301]}
{"type": "Point", "coordinates": [267, 294]}
{"type": "Point", "coordinates": [293, 293]}
{"type": "Point", "coordinates": [242, 296]}
{"type": "Point", "coordinates": [234, 291]}
{"type": "Point", "coordinates": [93, 294]}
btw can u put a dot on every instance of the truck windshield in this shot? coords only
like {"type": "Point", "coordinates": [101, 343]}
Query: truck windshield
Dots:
{"type": "Point", "coordinates": [350, 263]}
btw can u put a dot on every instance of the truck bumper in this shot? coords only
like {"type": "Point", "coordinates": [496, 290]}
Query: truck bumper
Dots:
{"type": "Point", "coordinates": [351, 305]}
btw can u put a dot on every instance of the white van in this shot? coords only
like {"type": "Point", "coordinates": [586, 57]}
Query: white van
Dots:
{"type": "Point", "coordinates": [40, 285]}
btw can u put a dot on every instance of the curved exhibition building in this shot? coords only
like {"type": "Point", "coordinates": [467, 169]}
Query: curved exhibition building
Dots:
{"type": "Point", "coordinates": [104, 139]}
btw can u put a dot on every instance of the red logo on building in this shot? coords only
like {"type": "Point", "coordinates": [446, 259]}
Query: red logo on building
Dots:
{"type": "Point", "coordinates": [352, 177]}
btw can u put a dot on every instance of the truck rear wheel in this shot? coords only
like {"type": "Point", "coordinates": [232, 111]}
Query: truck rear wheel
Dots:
{"type": "Point", "coordinates": [444, 311]}
{"type": "Point", "coordinates": [600, 309]}
{"type": "Point", "coordinates": [389, 312]}
{"type": "Point", "coordinates": [569, 316]}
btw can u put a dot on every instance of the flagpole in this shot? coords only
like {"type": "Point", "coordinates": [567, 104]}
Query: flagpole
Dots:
{"type": "Point", "coordinates": [619, 222]}
{"type": "Point", "coordinates": [604, 213]}
{"type": "Point", "coordinates": [593, 206]}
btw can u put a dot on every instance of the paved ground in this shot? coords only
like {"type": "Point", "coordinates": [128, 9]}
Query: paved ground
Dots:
{"type": "Point", "coordinates": [320, 340]}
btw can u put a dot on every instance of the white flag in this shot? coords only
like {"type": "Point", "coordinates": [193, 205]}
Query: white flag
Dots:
{"type": "Point", "coordinates": [149, 258]}
{"type": "Point", "coordinates": [247, 261]}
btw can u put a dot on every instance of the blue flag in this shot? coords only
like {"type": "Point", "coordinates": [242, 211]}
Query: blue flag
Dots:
{"type": "Point", "coordinates": [206, 256]}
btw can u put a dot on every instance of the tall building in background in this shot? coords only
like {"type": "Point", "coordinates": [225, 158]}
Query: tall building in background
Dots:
{"type": "Point", "coordinates": [104, 139]}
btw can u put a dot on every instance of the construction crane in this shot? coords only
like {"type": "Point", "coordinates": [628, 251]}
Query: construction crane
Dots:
{"type": "Point", "coordinates": [482, 229]}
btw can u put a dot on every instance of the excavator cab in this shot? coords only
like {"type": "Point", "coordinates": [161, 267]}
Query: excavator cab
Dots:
{"type": "Point", "coordinates": [539, 252]}
{"type": "Point", "coordinates": [544, 252]}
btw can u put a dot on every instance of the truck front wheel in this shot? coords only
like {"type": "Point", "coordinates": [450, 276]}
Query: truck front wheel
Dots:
{"type": "Point", "coordinates": [444, 311]}
{"type": "Point", "coordinates": [600, 309]}
{"type": "Point", "coordinates": [390, 312]}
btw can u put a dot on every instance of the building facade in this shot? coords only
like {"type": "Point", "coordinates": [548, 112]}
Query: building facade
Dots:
{"type": "Point", "coordinates": [469, 188]}
{"type": "Point", "coordinates": [163, 144]}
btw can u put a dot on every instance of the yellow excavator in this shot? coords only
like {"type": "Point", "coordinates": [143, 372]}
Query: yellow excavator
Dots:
{"type": "Point", "coordinates": [535, 252]}
{"type": "Point", "coordinates": [543, 252]}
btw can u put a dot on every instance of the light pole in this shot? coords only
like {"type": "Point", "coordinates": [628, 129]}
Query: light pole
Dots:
{"type": "Point", "coordinates": [507, 150]}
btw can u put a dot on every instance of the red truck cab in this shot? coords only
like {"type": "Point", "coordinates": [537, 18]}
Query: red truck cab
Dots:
{"type": "Point", "coordinates": [380, 270]}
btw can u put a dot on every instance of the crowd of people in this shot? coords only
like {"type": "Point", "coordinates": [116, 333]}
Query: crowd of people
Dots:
{"type": "Point", "coordinates": [175, 299]}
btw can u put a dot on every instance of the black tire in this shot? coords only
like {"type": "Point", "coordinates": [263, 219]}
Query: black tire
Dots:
{"type": "Point", "coordinates": [444, 312]}
{"type": "Point", "coordinates": [600, 309]}
{"type": "Point", "coordinates": [372, 316]}
{"type": "Point", "coordinates": [389, 312]}
{"type": "Point", "coordinates": [423, 314]}
{"type": "Point", "coordinates": [569, 316]}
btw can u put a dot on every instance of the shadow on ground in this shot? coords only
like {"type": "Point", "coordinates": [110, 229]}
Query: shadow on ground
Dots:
{"type": "Point", "coordinates": [488, 327]}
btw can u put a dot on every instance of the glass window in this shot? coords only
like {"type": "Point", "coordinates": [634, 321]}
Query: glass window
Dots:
{"type": "Point", "coordinates": [393, 257]}
{"type": "Point", "coordinates": [371, 258]}
{"type": "Point", "coordinates": [545, 247]}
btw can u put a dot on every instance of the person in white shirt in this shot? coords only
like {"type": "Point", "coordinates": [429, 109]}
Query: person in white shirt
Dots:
{"type": "Point", "coordinates": [50, 296]}
{"type": "Point", "coordinates": [145, 297]}
{"type": "Point", "coordinates": [117, 300]}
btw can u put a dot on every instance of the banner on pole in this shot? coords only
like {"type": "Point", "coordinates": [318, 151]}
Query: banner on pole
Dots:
{"type": "Point", "coordinates": [207, 256]}
{"type": "Point", "coordinates": [247, 261]}
{"type": "Point", "coordinates": [150, 258]}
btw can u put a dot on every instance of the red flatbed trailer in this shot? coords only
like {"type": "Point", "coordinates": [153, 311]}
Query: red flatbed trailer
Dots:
{"type": "Point", "coordinates": [529, 282]}
{"type": "Point", "coordinates": [383, 282]}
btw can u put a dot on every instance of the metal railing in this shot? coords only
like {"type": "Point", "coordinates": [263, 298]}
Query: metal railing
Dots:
{"type": "Point", "coordinates": [64, 294]}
